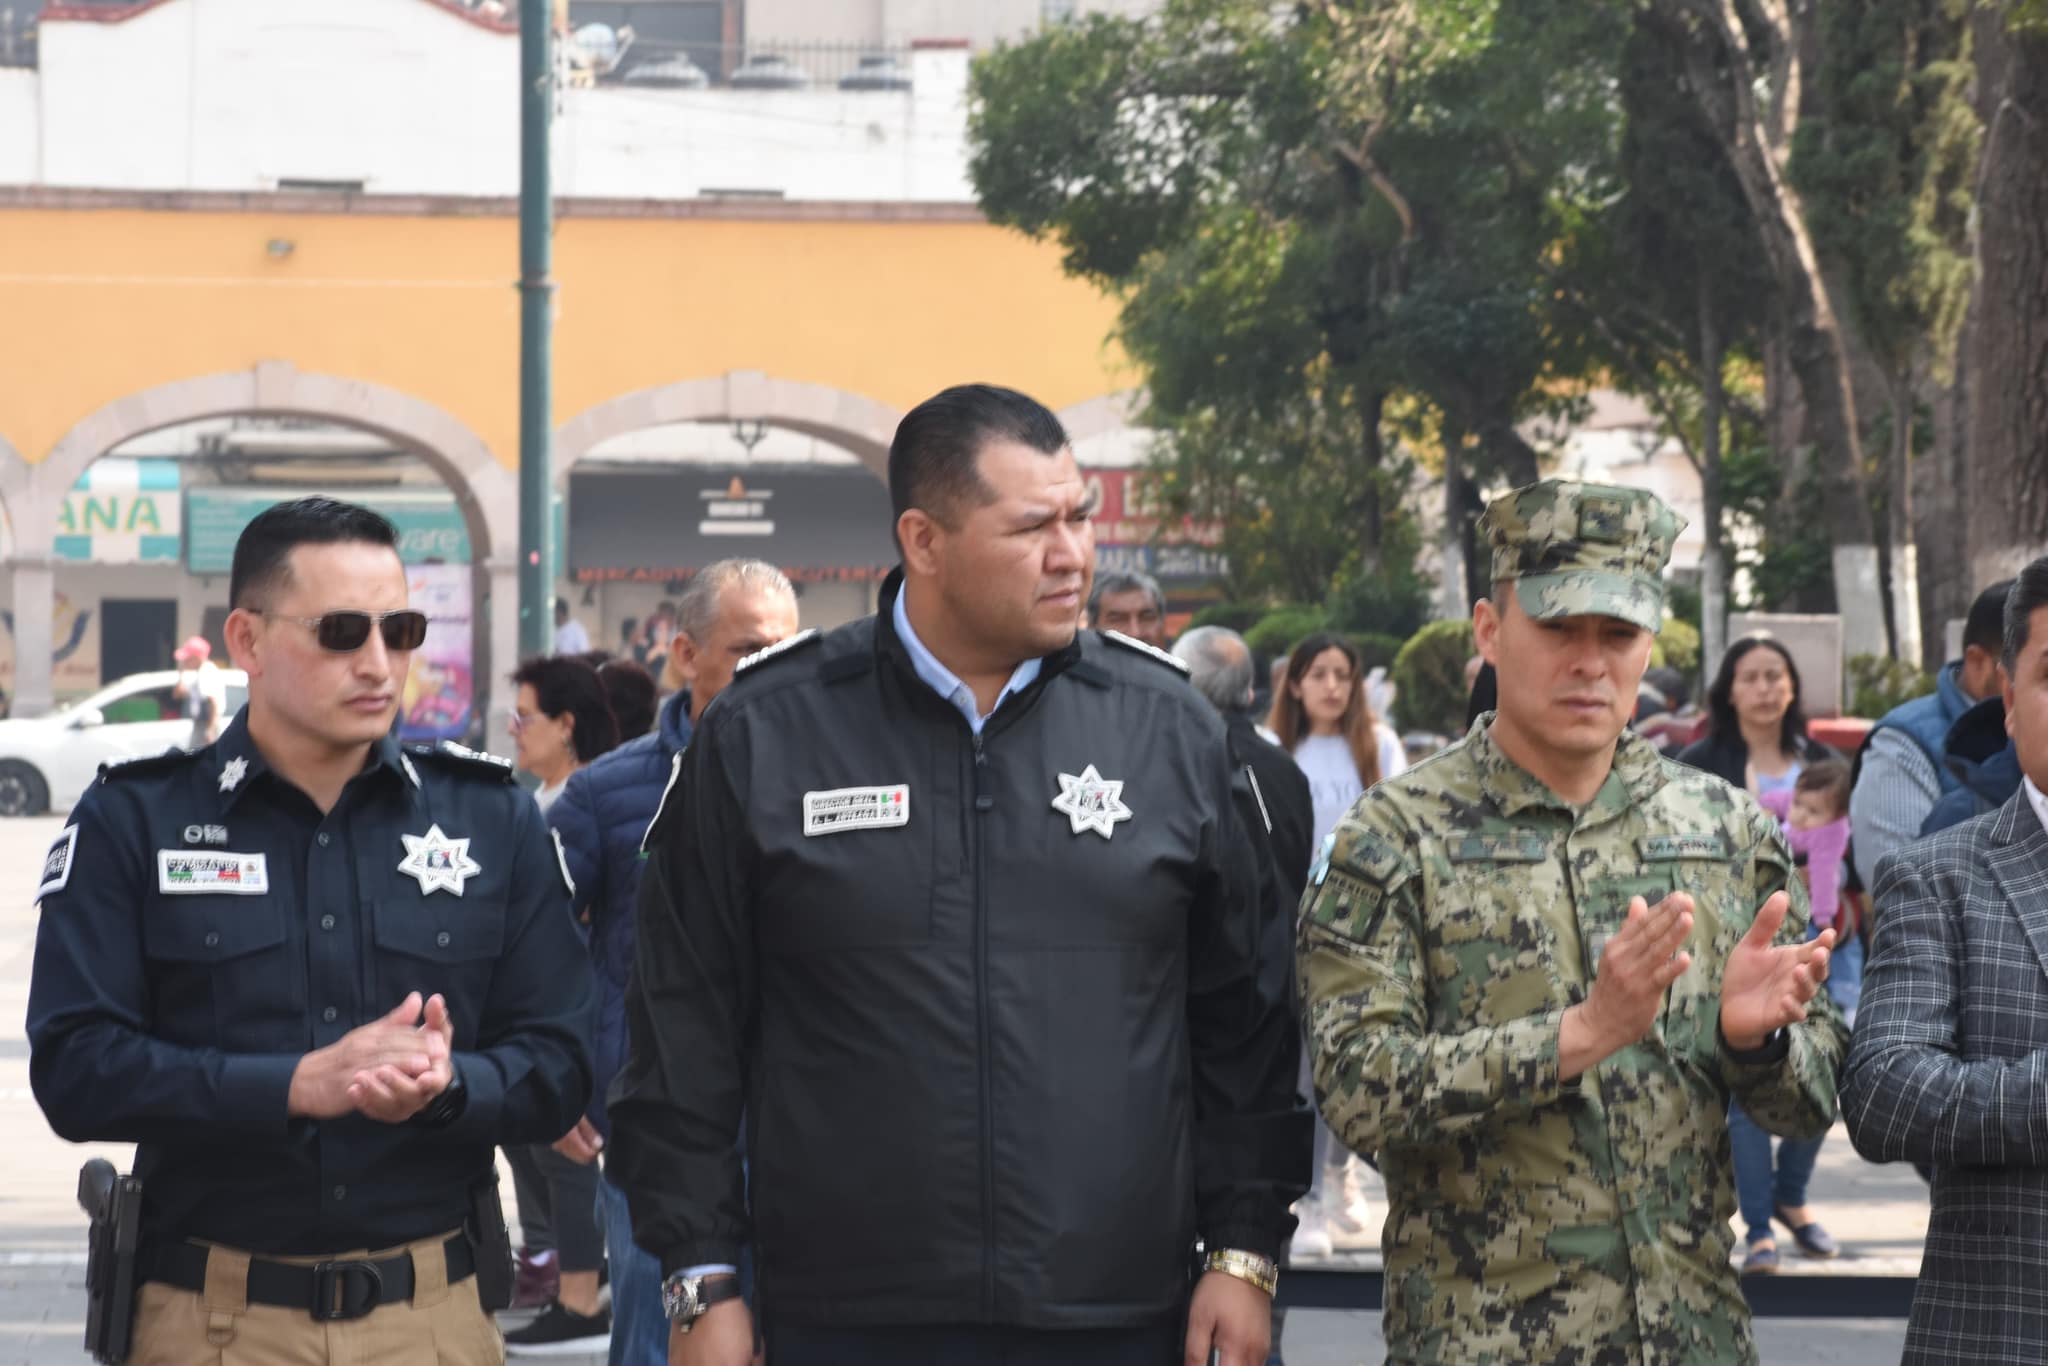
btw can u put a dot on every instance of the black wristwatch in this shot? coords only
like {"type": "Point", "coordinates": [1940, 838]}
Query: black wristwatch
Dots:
{"type": "Point", "coordinates": [685, 1299]}
{"type": "Point", "coordinates": [444, 1109]}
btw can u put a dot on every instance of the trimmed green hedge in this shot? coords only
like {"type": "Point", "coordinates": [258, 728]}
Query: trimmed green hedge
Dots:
{"type": "Point", "coordinates": [1430, 674]}
{"type": "Point", "coordinates": [1282, 629]}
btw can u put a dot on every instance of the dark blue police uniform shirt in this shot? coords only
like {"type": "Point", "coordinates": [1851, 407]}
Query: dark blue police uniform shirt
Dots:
{"type": "Point", "coordinates": [203, 926]}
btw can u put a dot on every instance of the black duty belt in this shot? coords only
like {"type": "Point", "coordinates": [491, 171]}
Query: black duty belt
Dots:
{"type": "Point", "coordinates": [345, 1288]}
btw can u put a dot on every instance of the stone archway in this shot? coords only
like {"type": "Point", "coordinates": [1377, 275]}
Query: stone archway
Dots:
{"type": "Point", "coordinates": [485, 490]}
{"type": "Point", "coordinates": [854, 422]}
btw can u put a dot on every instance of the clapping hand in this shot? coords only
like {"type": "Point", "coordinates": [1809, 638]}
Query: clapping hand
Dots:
{"type": "Point", "coordinates": [1766, 986]}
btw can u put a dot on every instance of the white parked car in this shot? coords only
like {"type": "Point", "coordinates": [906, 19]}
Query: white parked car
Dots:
{"type": "Point", "coordinates": [47, 762]}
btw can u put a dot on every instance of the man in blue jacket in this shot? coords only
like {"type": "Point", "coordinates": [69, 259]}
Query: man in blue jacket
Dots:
{"type": "Point", "coordinates": [730, 610]}
{"type": "Point", "coordinates": [1902, 772]}
{"type": "Point", "coordinates": [1986, 766]}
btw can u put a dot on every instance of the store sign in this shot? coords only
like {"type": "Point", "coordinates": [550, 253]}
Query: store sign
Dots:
{"type": "Point", "coordinates": [440, 689]}
{"type": "Point", "coordinates": [1133, 536]}
{"type": "Point", "coordinates": [430, 525]}
{"type": "Point", "coordinates": [121, 511]}
{"type": "Point", "coordinates": [736, 510]}
{"type": "Point", "coordinates": [817, 523]}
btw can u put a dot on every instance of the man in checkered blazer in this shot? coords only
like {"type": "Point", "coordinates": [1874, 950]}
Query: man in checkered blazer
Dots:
{"type": "Point", "coordinates": [1949, 1066]}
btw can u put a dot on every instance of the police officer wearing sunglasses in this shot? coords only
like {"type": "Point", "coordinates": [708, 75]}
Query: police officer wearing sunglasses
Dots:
{"type": "Point", "coordinates": [317, 977]}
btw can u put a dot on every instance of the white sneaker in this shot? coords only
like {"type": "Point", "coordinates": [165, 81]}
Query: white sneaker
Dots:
{"type": "Point", "coordinates": [1311, 1236]}
{"type": "Point", "coordinates": [1348, 1217]}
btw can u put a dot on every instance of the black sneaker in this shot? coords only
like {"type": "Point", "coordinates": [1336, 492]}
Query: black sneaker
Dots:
{"type": "Point", "coordinates": [560, 1332]}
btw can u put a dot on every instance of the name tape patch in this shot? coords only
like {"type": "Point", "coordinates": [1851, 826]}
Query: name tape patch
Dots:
{"type": "Point", "coordinates": [183, 871]}
{"type": "Point", "coordinates": [856, 808]}
{"type": "Point", "coordinates": [57, 863]}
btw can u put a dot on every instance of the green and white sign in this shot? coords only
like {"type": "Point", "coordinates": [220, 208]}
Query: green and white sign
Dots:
{"type": "Point", "coordinates": [121, 511]}
{"type": "Point", "coordinates": [430, 525]}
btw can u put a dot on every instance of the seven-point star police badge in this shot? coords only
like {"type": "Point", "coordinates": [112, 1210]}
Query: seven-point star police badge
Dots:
{"type": "Point", "coordinates": [232, 773]}
{"type": "Point", "coordinates": [440, 864]}
{"type": "Point", "coordinates": [1091, 801]}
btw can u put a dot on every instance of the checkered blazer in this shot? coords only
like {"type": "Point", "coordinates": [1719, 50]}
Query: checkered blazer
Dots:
{"type": "Point", "coordinates": [1949, 1067]}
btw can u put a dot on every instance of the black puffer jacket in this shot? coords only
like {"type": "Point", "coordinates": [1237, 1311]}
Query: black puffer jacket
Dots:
{"type": "Point", "coordinates": [1726, 756]}
{"type": "Point", "coordinates": [996, 1066]}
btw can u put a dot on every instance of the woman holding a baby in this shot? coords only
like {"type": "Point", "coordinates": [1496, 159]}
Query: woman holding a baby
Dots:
{"type": "Point", "coordinates": [1757, 741]}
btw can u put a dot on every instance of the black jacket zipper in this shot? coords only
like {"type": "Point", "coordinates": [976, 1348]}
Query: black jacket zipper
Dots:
{"type": "Point", "coordinates": [984, 802]}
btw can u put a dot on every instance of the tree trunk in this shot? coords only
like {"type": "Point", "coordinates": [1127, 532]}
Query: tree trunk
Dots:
{"type": "Point", "coordinates": [1507, 452]}
{"type": "Point", "coordinates": [1905, 555]}
{"type": "Point", "coordinates": [1453, 603]}
{"type": "Point", "coordinates": [1713, 555]}
{"type": "Point", "coordinates": [1941, 508]}
{"type": "Point", "coordinates": [1723, 76]}
{"type": "Point", "coordinates": [1372, 509]}
{"type": "Point", "coordinates": [2009, 345]}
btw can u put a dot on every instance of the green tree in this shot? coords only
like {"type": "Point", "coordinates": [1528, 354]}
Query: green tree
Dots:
{"type": "Point", "coordinates": [1669, 278]}
{"type": "Point", "coordinates": [1308, 212]}
{"type": "Point", "coordinates": [1887, 167]}
{"type": "Point", "coordinates": [2008, 471]}
{"type": "Point", "coordinates": [1746, 65]}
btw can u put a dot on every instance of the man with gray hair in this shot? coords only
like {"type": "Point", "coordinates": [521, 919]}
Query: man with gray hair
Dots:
{"type": "Point", "coordinates": [1129, 604]}
{"type": "Point", "coordinates": [1220, 666]}
{"type": "Point", "coordinates": [730, 610]}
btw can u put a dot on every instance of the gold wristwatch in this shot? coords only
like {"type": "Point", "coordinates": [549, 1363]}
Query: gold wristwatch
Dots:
{"type": "Point", "coordinates": [1248, 1267]}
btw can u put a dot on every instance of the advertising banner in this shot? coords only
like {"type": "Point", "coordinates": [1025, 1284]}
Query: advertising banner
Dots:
{"type": "Point", "coordinates": [440, 692]}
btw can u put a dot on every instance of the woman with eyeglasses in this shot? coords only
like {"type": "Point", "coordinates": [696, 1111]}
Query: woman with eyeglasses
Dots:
{"type": "Point", "coordinates": [561, 720]}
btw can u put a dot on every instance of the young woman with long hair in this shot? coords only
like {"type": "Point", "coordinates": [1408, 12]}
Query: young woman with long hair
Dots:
{"type": "Point", "coordinates": [1757, 741]}
{"type": "Point", "coordinates": [1322, 718]}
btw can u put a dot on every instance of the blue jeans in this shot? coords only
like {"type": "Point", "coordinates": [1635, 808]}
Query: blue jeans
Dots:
{"type": "Point", "coordinates": [639, 1328]}
{"type": "Point", "coordinates": [1757, 1187]}
{"type": "Point", "coordinates": [1845, 977]}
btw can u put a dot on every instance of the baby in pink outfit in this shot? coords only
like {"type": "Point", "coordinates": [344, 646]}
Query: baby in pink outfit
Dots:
{"type": "Point", "coordinates": [1816, 816]}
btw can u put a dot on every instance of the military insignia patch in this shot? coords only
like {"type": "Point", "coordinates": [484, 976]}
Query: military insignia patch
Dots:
{"type": "Point", "coordinates": [438, 863]}
{"type": "Point", "coordinates": [1684, 846]}
{"type": "Point", "coordinates": [180, 872]}
{"type": "Point", "coordinates": [1091, 802]}
{"type": "Point", "coordinates": [1603, 519]}
{"type": "Point", "coordinates": [1322, 868]}
{"type": "Point", "coordinates": [855, 808]}
{"type": "Point", "coordinates": [1500, 849]}
{"type": "Point", "coordinates": [232, 772]}
{"type": "Point", "coordinates": [57, 863]}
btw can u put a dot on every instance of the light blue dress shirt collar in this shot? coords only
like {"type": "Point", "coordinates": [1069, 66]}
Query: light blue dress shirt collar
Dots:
{"type": "Point", "coordinates": [941, 679]}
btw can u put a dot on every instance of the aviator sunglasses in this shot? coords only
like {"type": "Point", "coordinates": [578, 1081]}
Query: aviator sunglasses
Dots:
{"type": "Point", "coordinates": [347, 631]}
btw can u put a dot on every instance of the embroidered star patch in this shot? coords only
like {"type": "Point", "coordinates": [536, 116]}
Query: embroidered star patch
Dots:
{"type": "Point", "coordinates": [232, 772]}
{"type": "Point", "coordinates": [1091, 802]}
{"type": "Point", "coordinates": [439, 863]}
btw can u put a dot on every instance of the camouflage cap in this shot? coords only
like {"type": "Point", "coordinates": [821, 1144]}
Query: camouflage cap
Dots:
{"type": "Point", "coordinates": [1577, 549]}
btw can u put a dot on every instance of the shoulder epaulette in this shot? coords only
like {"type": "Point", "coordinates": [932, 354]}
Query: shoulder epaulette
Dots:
{"type": "Point", "coordinates": [146, 764]}
{"type": "Point", "coordinates": [1129, 643]}
{"type": "Point", "coordinates": [463, 759]}
{"type": "Point", "coordinates": [777, 650]}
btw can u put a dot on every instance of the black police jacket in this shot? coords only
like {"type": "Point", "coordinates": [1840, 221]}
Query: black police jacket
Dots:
{"type": "Point", "coordinates": [203, 926]}
{"type": "Point", "coordinates": [994, 1008]}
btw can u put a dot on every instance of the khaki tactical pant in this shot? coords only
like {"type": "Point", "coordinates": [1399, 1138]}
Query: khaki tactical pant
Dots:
{"type": "Point", "coordinates": [442, 1325]}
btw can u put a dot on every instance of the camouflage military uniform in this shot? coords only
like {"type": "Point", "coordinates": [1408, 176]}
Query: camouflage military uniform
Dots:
{"type": "Point", "coordinates": [1461, 908]}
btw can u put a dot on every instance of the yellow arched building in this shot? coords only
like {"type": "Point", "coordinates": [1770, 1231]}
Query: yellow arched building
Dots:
{"type": "Point", "coordinates": [123, 313]}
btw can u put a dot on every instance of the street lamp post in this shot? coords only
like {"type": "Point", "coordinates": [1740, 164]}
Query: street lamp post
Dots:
{"type": "Point", "coordinates": [536, 297]}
